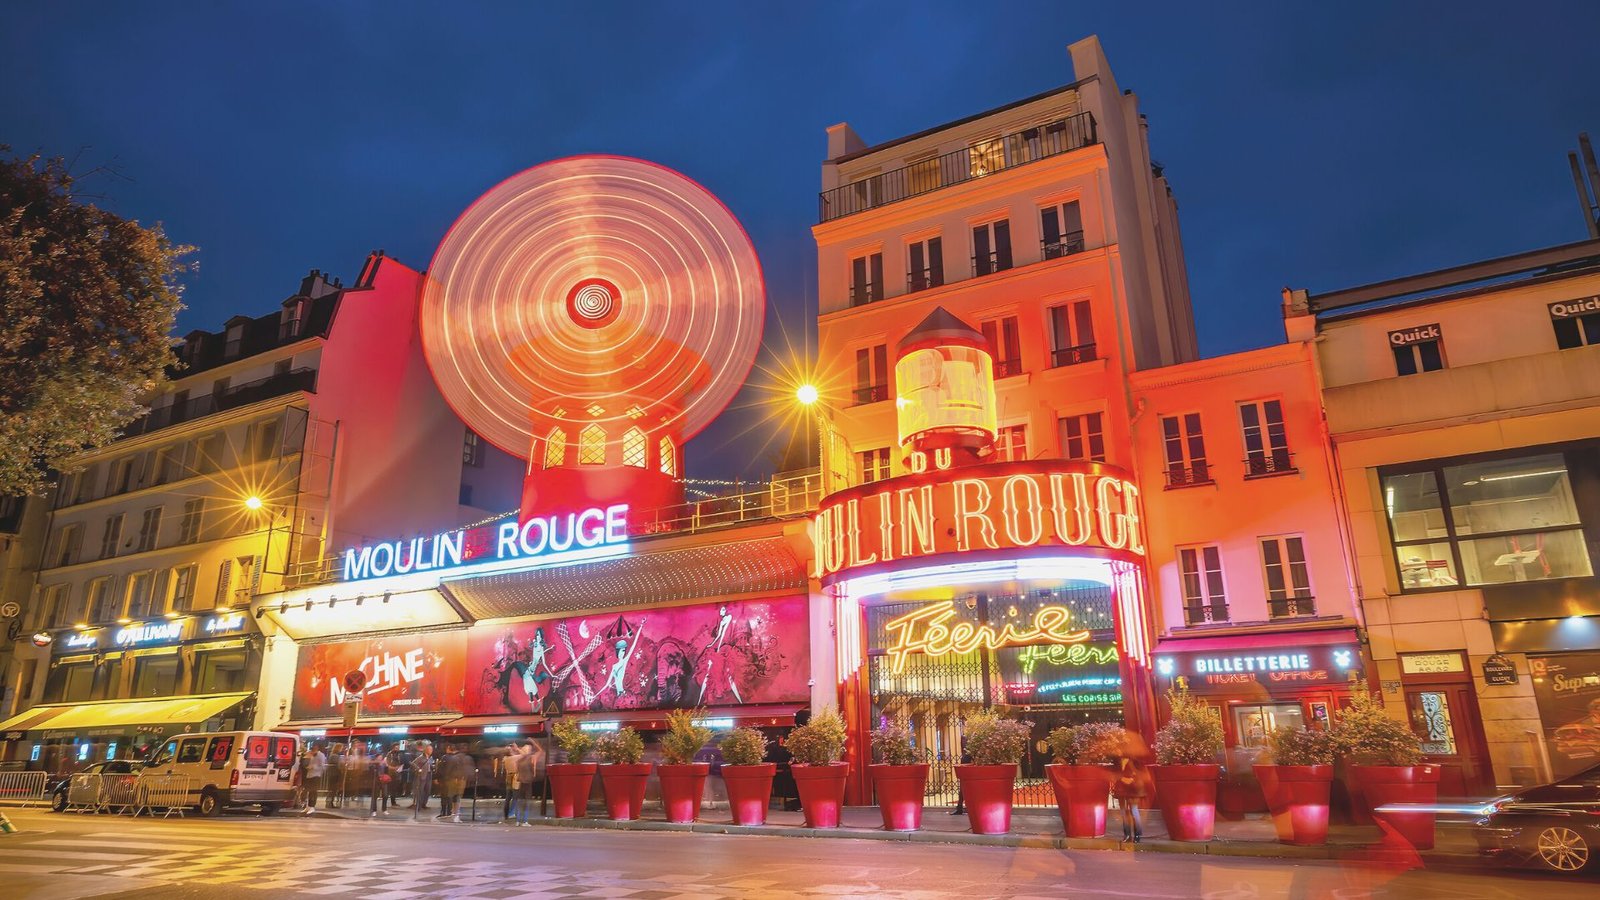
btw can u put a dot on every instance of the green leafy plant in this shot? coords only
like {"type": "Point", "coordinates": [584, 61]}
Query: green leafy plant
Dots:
{"type": "Point", "coordinates": [1193, 734]}
{"type": "Point", "coordinates": [623, 747]}
{"type": "Point", "coordinates": [684, 737]}
{"type": "Point", "coordinates": [1290, 746]}
{"type": "Point", "coordinates": [1091, 744]}
{"type": "Point", "coordinates": [819, 742]}
{"type": "Point", "coordinates": [993, 740]}
{"type": "Point", "coordinates": [572, 740]}
{"type": "Point", "coordinates": [1366, 735]}
{"type": "Point", "coordinates": [744, 747]}
{"type": "Point", "coordinates": [892, 744]}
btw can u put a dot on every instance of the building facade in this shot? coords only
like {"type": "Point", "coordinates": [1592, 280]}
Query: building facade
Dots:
{"type": "Point", "coordinates": [1463, 409]}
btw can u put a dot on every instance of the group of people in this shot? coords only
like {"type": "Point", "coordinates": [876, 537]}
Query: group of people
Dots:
{"type": "Point", "coordinates": [386, 776]}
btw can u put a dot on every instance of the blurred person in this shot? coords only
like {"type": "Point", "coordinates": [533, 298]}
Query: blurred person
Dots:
{"type": "Point", "coordinates": [506, 767]}
{"type": "Point", "coordinates": [422, 766]}
{"type": "Point", "coordinates": [1132, 783]}
{"type": "Point", "coordinates": [316, 765]}
{"type": "Point", "coordinates": [454, 770]}
{"type": "Point", "coordinates": [527, 771]}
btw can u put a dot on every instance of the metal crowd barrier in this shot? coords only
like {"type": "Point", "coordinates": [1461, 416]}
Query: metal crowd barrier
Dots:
{"type": "Point", "coordinates": [168, 793]}
{"type": "Point", "coordinates": [83, 792]}
{"type": "Point", "coordinates": [116, 793]}
{"type": "Point", "coordinates": [27, 787]}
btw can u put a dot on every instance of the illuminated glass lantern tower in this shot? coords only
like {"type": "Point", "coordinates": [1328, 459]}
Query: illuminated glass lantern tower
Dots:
{"type": "Point", "coordinates": [944, 389]}
{"type": "Point", "coordinates": [591, 315]}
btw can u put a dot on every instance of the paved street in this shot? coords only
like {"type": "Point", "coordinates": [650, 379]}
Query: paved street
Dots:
{"type": "Point", "coordinates": [71, 856]}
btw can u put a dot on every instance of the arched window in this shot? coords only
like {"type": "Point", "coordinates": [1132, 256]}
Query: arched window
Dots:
{"type": "Point", "coordinates": [669, 458]}
{"type": "Point", "coordinates": [555, 448]}
{"type": "Point", "coordinates": [592, 445]}
{"type": "Point", "coordinates": [633, 445]}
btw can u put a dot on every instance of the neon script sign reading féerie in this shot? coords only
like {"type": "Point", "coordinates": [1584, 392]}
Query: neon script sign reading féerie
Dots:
{"type": "Point", "coordinates": [1007, 506]}
{"type": "Point", "coordinates": [928, 631]}
{"type": "Point", "coordinates": [538, 536]}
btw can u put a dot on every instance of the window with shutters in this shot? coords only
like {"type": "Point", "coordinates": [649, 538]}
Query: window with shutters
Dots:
{"type": "Point", "coordinates": [264, 440]}
{"type": "Point", "coordinates": [555, 448]}
{"type": "Point", "coordinates": [872, 374]}
{"type": "Point", "coordinates": [291, 319]}
{"type": "Point", "coordinates": [111, 537]}
{"type": "Point", "coordinates": [102, 603]}
{"type": "Point", "coordinates": [180, 588]}
{"type": "Point", "coordinates": [224, 581]}
{"type": "Point", "coordinates": [1083, 437]}
{"type": "Point", "coordinates": [141, 594]}
{"type": "Point", "coordinates": [149, 528]}
{"type": "Point", "coordinates": [121, 476]}
{"type": "Point", "coordinates": [986, 157]}
{"type": "Point", "coordinates": [592, 445]}
{"type": "Point", "coordinates": [69, 545]}
{"type": "Point", "coordinates": [925, 259]}
{"type": "Point", "coordinates": [633, 448]}
{"type": "Point", "coordinates": [874, 464]}
{"type": "Point", "coordinates": [1061, 230]}
{"type": "Point", "coordinates": [246, 580]}
{"type": "Point", "coordinates": [55, 607]}
{"type": "Point", "coordinates": [991, 247]}
{"type": "Point", "coordinates": [866, 279]}
{"type": "Point", "coordinates": [1200, 571]}
{"type": "Point", "coordinates": [669, 457]}
{"type": "Point", "coordinates": [1072, 334]}
{"type": "Point", "coordinates": [234, 341]}
{"type": "Point", "coordinates": [208, 453]}
{"type": "Point", "coordinates": [1418, 356]}
{"type": "Point", "coordinates": [1266, 443]}
{"type": "Point", "coordinates": [189, 525]}
{"type": "Point", "coordinates": [1283, 560]}
{"type": "Point", "coordinates": [1185, 448]}
{"type": "Point", "coordinates": [1006, 345]}
{"type": "Point", "coordinates": [1011, 444]}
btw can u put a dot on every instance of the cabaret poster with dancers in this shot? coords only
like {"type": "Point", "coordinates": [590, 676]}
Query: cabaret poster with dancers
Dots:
{"type": "Point", "coordinates": [716, 654]}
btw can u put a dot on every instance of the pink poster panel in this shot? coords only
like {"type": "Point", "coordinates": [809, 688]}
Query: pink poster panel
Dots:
{"type": "Point", "coordinates": [715, 654]}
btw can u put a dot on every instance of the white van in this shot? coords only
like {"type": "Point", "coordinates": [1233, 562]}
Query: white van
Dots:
{"type": "Point", "coordinates": [230, 768]}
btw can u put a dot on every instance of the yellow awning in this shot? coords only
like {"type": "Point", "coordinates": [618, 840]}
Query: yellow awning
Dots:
{"type": "Point", "coordinates": [113, 713]}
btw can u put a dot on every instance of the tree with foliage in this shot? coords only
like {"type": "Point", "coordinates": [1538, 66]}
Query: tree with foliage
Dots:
{"type": "Point", "coordinates": [87, 301]}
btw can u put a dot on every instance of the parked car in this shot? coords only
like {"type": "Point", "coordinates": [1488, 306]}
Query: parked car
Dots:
{"type": "Point", "coordinates": [56, 785]}
{"type": "Point", "coordinates": [228, 768]}
{"type": "Point", "coordinates": [1554, 826]}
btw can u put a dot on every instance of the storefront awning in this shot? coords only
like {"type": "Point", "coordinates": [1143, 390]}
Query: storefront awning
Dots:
{"type": "Point", "coordinates": [716, 717]}
{"type": "Point", "coordinates": [492, 725]}
{"type": "Point", "coordinates": [1276, 640]}
{"type": "Point", "coordinates": [397, 726]}
{"type": "Point", "coordinates": [129, 713]}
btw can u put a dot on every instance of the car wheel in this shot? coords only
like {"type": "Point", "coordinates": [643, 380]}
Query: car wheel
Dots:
{"type": "Point", "coordinates": [1561, 849]}
{"type": "Point", "coordinates": [209, 805]}
{"type": "Point", "coordinates": [58, 801]}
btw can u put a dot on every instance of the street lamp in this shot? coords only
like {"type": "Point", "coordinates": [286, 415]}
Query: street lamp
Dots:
{"type": "Point", "coordinates": [807, 394]}
{"type": "Point", "coordinates": [252, 502]}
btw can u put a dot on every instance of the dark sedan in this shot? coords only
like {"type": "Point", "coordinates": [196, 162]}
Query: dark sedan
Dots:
{"type": "Point", "coordinates": [1553, 826]}
{"type": "Point", "coordinates": [57, 785]}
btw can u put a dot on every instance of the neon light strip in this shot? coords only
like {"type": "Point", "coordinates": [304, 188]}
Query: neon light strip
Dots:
{"type": "Point", "coordinates": [957, 574]}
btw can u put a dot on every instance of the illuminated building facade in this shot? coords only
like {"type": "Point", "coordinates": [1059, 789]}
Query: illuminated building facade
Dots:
{"type": "Point", "coordinates": [1463, 407]}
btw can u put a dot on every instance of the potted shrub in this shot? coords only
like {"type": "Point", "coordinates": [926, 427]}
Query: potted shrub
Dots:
{"type": "Point", "coordinates": [623, 776]}
{"type": "Point", "coordinates": [1081, 774]}
{"type": "Point", "coordinates": [1382, 758]}
{"type": "Point", "coordinates": [819, 776]}
{"type": "Point", "coordinates": [1297, 784]}
{"type": "Point", "coordinates": [683, 781]}
{"type": "Point", "coordinates": [898, 777]}
{"type": "Point", "coordinates": [996, 746]}
{"type": "Point", "coordinates": [1186, 771]}
{"type": "Point", "coordinates": [748, 775]}
{"type": "Point", "coordinates": [571, 781]}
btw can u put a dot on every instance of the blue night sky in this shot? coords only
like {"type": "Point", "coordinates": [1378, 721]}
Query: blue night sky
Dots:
{"type": "Point", "coordinates": [1317, 146]}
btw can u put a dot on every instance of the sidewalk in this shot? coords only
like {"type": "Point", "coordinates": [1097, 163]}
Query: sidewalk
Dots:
{"type": "Point", "coordinates": [1252, 836]}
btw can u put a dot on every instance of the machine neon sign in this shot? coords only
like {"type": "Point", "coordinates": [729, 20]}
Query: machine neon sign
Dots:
{"type": "Point", "coordinates": [538, 536]}
{"type": "Point", "coordinates": [927, 631]}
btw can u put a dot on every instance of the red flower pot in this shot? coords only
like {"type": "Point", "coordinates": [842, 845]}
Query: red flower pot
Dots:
{"type": "Point", "coordinates": [569, 787]}
{"type": "Point", "coordinates": [623, 785]}
{"type": "Point", "coordinates": [900, 792]}
{"type": "Point", "coordinates": [821, 792]}
{"type": "Point", "coordinates": [681, 790]}
{"type": "Point", "coordinates": [1267, 776]}
{"type": "Point", "coordinates": [986, 790]}
{"type": "Point", "coordinates": [1081, 793]}
{"type": "Point", "coordinates": [1303, 793]}
{"type": "Point", "coordinates": [749, 791]}
{"type": "Point", "coordinates": [1187, 796]}
{"type": "Point", "coordinates": [1383, 785]}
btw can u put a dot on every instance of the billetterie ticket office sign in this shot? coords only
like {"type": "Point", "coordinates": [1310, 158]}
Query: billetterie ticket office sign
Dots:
{"type": "Point", "coordinates": [1068, 504]}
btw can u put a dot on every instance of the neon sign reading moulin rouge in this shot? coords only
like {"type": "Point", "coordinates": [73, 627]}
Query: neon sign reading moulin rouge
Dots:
{"type": "Point", "coordinates": [1007, 510]}
{"type": "Point", "coordinates": [927, 630]}
{"type": "Point", "coordinates": [539, 536]}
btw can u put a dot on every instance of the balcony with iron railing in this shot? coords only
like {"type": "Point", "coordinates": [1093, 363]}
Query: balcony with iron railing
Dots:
{"type": "Point", "coordinates": [1188, 476]}
{"type": "Point", "coordinates": [1072, 356]}
{"type": "Point", "coordinates": [922, 279]}
{"type": "Point", "coordinates": [235, 396]}
{"type": "Point", "coordinates": [873, 393]}
{"type": "Point", "coordinates": [863, 293]}
{"type": "Point", "coordinates": [1292, 607]}
{"type": "Point", "coordinates": [958, 167]}
{"type": "Point", "coordinates": [1266, 465]}
{"type": "Point", "coordinates": [990, 263]}
{"type": "Point", "coordinates": [1205, 613]}
{"type": "Point", "coordinates": [1007, 368]}
{"type": "Point", "coordinates": [1066, 245]}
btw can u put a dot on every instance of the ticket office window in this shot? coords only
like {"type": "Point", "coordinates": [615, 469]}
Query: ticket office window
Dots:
{"type": "Point", "coordinates": [1253, 723]}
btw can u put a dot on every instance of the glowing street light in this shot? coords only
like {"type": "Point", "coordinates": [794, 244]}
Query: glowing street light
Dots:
{"type": "Point", "coordinates": [252, 502]}
{"type": "Point", "coordinates": [806, 394]}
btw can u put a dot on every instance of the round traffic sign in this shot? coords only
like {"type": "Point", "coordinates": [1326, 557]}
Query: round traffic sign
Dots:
{"type": "Point", "coordinates": [355, 681]}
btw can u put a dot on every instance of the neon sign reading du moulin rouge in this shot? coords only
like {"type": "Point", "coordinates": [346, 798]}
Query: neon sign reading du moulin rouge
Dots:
{"type": "Point", "coordinates": [539, 536]}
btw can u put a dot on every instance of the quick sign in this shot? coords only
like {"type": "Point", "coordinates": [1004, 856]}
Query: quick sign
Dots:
{"type": "Point", "coordinates": [1419, 335]}
{"type": "Point", "coordinates": [539, 536]}
{"type": "Point", "coordinates": [1566, 309]}
{"type": "Point", "coordinates": [1006, 506]}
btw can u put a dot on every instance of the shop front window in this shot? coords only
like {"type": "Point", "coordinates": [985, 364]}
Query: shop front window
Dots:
{"type": "Point", "coordinates": [1489, 522]}
{"type": "Point", "coordinates": [70, 683]}
{"type": "Point", "coordinates": [219, 671]}
{"type": "Point", "coordinates": [1254, 723]}
{"type": "Point", "coordinates": [155, 676]}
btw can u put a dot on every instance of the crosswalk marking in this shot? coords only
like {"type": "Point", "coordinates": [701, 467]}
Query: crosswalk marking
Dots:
{"type": "Point", "coordinates": [36, 850]}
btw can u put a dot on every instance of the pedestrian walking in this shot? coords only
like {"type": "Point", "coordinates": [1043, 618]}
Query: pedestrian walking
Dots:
{"type": "Point", "coordinates": [385, 772]}
{"type": "Point", "coordinates": [422, 766]}
{"type": "Point", "coordinates": [316, 764]}
{"type": "Point", "coordinates": [527, 770]}
{"type": "Point", "coordinates": [454, 770]}
{"type": "Point", "coordinates": [506, 767]}
{"type": "Point", "coordinates": [1131, 786]}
